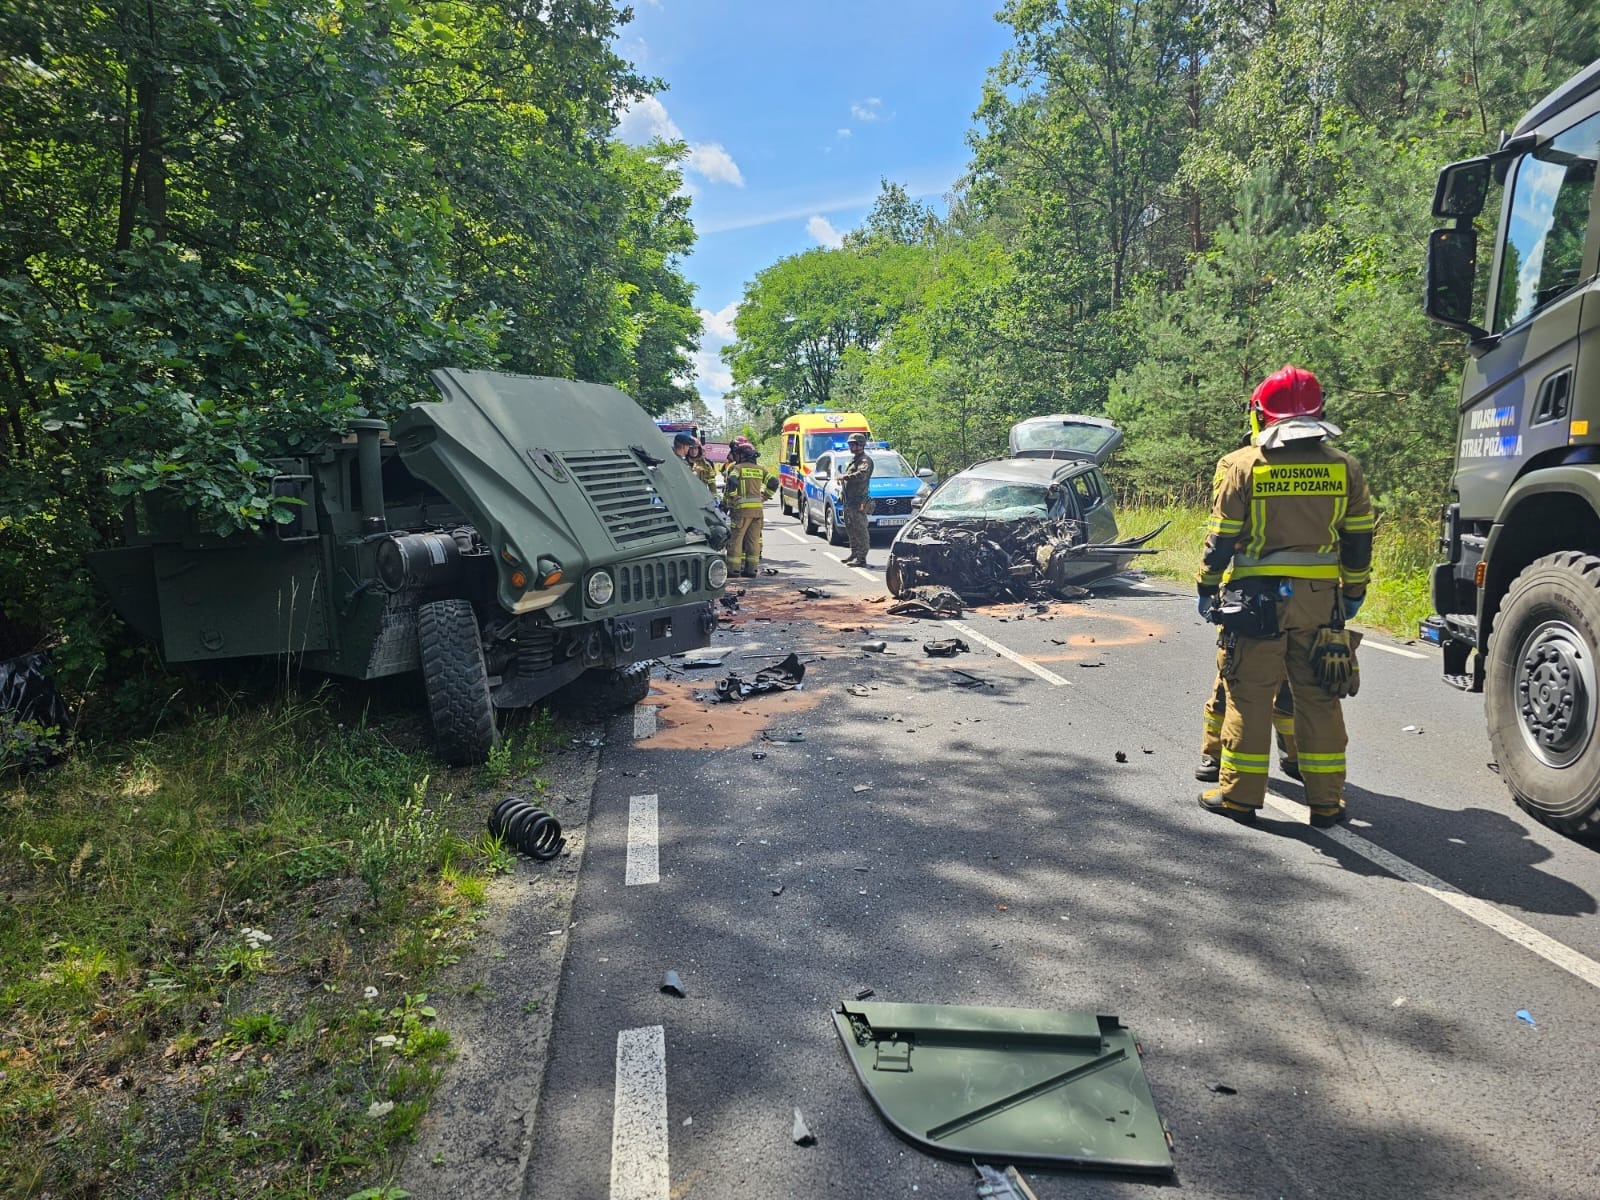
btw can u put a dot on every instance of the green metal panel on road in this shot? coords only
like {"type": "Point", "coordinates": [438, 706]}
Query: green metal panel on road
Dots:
{"type": "Point", "coordinates": [1008, 1084]}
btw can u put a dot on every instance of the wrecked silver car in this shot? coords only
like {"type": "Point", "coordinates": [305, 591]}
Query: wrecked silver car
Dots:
{"type": "Point", "coordinates": [1035, 524]}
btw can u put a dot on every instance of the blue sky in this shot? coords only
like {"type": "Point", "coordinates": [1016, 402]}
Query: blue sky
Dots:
{"type": "Point", "coordinates": [793, 113]}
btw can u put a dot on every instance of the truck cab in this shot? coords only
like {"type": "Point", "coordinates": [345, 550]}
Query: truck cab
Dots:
{"type": "Point", "coordinates": [1516, 594]}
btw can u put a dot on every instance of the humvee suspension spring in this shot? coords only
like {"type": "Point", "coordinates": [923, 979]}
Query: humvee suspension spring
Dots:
{"type": "Point", "coordinates": [526, 827]}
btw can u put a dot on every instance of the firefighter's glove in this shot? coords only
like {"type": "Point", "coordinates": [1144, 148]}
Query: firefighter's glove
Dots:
{"type": "Point", "coordinates": [1352, 605]}
{"type": "Point", "coordinates": [1333, 662]}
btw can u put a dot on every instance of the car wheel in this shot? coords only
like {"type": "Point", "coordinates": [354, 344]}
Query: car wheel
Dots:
{"type": "Point", "coordinates": [805, 515]}
{"type": "Point", "coordinates": [1542, 693]}
{"type": "Point", "coordinates": [456, 681]}
{"type": "Point", "coordinates": [836, 536]}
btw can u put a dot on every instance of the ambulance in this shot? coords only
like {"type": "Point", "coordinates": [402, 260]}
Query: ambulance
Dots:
{"type": "Point", "coordinates": [806, 436]}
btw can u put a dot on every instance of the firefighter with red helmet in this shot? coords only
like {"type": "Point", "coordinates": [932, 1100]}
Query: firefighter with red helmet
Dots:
{"type": "Point", "coordinates": [1288, 553]}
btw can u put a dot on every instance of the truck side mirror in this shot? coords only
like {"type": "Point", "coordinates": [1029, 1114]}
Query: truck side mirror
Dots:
{"type": "Point", "coordinates": [1461, 189]}
{"type": "Point", "coordinates": [1452, 267]}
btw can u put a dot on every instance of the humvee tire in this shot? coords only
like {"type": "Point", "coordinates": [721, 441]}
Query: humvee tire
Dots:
{"type": "Point", "coordinates": [599, 692]}
{"type": "Point", "coordinates": [456, 681]}
{"type": "Point", "coordinates": [1541, 693]}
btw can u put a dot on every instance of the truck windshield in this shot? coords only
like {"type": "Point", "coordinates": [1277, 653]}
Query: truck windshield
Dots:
{"type": "Point", "coordinates": [1543, 253]}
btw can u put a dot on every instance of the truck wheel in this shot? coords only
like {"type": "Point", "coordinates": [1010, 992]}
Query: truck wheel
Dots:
{"type": "Point", "coordinates": [836, 535]}
{"type": "Point", "coordinates": [1542, 691]}
{"type": "Point", "coordinates": [456, 681]}
{"type": "Point", "coordinates": [602, 691]}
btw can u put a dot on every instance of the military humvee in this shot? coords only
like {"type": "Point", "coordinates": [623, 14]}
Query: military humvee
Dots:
{"type": "Point", "coordinates": [517, 536]}
{"type": "Point", "coordinates": [1517, 597]}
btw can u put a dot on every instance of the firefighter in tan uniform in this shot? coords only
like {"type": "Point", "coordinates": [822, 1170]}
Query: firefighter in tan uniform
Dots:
{"type": "Point", "coordinates": [744, 489]}
{"type": "Point", "coordinates": [1211, 740]}
{"type": "Point", "coordinates": [1291, 537]}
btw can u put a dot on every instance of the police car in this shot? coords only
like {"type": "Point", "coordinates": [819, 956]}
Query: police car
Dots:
{"type": "Point", "coordinates": [897, 492]}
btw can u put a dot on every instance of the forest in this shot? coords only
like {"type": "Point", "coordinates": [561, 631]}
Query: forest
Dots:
{"type": "Point", "coordinates": [227, 227]}
{"type": "Point", "coordinates": [1167, 200]}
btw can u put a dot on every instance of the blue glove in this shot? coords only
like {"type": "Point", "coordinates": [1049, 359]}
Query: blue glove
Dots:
{"type": "Point", "coordinates": [1203, 605]}
{"type": "Point", "coordinates": [1352, 605]}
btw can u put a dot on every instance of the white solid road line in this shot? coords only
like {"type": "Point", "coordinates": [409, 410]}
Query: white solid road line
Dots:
{"type": "Point", "coordinates": [864, 570]}
{"type": "Point", "coordinates": [644, 859]}
{"type": "Point", "coordinates": [794, 533]}
{"type": "Point", "coordinates": [1007, 652]}
{"type": "Point", "coordinates": [639, 1116]}
{"type": "Point", "coordinates": [1368, 644]}
{"type": "Point", "coordinates": [1489, 915]}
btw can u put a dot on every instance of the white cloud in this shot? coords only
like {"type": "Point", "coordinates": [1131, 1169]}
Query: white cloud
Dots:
{"type": "Point", "coordinates": [844, 133]}
{"type": "Point", "coordinates": [869, 109]}
{"type": "Point", "coordinates": [647, 120]}
{"type": "Point", "coordinates": [823, 230]}
{"type": "Point", "coordinates": [712, 162]}
{"type": "Point", "coordinates": [924, 189]}
{"type": "Point", "coordinates": [712, 378]}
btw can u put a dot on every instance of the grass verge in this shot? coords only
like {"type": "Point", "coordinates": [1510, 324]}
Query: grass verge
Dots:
{"type": "Point", "coordinates": [215, 948]}
{"type": "Point", "coordinates": [1403, 551]}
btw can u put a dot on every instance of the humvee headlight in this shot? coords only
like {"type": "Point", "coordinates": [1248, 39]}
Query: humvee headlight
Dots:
{"type": "Point", "coordinates": [601, 588]}
{"type": "Point", "coordinates": [716, 573]}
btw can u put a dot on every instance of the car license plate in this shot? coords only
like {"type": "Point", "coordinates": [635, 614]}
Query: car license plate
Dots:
{"type": "Point", "coordinates": [890, 520]}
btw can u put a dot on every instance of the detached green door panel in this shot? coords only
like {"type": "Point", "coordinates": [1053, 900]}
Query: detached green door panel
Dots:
{"type": "Point", "coordinates": [1008, 1084]}
{"type": "Point", "coordinates": [264, 597]}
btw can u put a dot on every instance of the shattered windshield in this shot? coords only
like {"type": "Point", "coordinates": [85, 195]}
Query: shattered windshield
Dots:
{"type": "Point", "coordinates": [988, 499]}
{"type": "Point", "coordinates": [887, 464]}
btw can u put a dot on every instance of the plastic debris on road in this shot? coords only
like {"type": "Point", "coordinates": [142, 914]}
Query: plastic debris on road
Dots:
{"type": "Point", "coordinates": [672, 985]}
{"type": "Point", "coordinates": [1526, 1017]}
{"type": "Point", "coordinates": [1222, 1089]}
{"type": "Point", "coordinates": [945, 648]}
{"type": "Point", "coordinates": [801, 1135]}
{"type": "Point", "coordinates": [1002, 1185]}
{"type": "Point", "coordinates": [781, 677]}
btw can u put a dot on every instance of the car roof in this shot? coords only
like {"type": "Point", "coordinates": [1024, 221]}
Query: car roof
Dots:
{"type": "Point", "coordinates": [1026, 470]}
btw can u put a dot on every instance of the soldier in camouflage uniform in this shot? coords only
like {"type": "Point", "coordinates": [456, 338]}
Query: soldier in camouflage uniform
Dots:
{"type": "Point", "coordinates": [855, 483]}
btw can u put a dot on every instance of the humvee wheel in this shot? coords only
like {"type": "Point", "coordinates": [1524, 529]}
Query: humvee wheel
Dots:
{"type": "Point", "coordinates": [1542, 691]}
{"type": "Point", "coordinates": [456, 680]}
{"type": "Point", "coordinates": [600, 692]}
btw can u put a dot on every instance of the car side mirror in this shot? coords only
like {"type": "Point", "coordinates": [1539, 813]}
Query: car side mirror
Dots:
{"type": "Point", "coordinates": [924, 472]}
{"type": "Point", "coordinates": [822, 473]}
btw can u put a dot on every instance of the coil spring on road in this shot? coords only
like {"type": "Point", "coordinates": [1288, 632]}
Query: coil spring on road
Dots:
{"type": "Point", "coordinates": [526, 827]}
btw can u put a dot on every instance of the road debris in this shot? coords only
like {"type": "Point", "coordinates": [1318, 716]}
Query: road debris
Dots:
{"type": "Point", "coordinates": [862, 787]}
{"type": "Point", "coordinates": [671, 985]}
{"type": "Point", "coordinates": [758, 755]}
{"type": "Point", "coordinates": [1087, 665]}
{"type": "Point", "coordinates": [1122, 756]}
{"type": "Point", "coordinates": [873, 647]}
{"type": "Point", "coordinates": [1002, 1185]}
{"type": "Point", "coordinates": [783, 735]}
{"type": "Point", "coordinates": [781, 677]}
{"type": "Point", "coordinates": [927, 602]}
{"type": "Point", "coordinates": [801, 1135]}
{"type": "Point", "coordinates": [859, 689]}
{"type": "Point", "coordinates": [945, 647]}
{"type": "Point", "coordinates": [965, 679]}
{"type": "Point", "coordinates": [865, 994]}
{"type": "Point", "coordinates": [769, 570]}
{"type": "Point", "coordinates": [527, 828]}
{"type": "Point", "coordinates": [1412, 729]}
{"type": "Point", "coordinates": [1526, 1017]}
{"type": "Point", "coordinates": [695, 664]}
{"type": "Point", "coordinates": [1222, 1089]}
{"type": "Point", "coordinates": [778, 891]}
{"type": "Point", "coordinates": [814, 593]}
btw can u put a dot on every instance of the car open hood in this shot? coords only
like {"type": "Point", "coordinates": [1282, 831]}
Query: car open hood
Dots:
{"type": "Point", "coordinates": [549, 466]}
{"type": "Point", "coordinates": [1063, 435]}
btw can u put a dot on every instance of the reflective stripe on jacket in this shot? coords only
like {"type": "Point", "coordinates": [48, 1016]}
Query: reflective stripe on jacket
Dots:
{"type": "Point", "coordinates": [1301, 510]}
{"type": "Point", "coordinates": [748, 484]}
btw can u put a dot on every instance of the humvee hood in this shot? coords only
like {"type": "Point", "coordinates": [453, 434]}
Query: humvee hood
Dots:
{"type": "Point", "coordinates": [550, 467]}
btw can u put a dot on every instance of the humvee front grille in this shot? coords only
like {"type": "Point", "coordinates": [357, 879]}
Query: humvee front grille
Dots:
{"type": "Point", "coordinates": [621, 491]}
{"type": "Point", "coordinates": [662, 580]}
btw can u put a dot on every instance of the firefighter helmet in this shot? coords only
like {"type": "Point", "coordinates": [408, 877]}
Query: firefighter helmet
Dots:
{"type": "Point", "coordinates": [1290, 392]}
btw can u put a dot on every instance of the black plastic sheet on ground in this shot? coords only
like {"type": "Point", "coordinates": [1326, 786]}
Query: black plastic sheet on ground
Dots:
{"type": "Point", "coordinates": [780, 677]}
{"type": "Point", "coordinates": [30, 710]}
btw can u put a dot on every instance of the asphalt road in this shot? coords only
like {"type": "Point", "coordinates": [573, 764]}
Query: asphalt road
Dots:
{"type": "Point", "coordinates": [1359, 988]}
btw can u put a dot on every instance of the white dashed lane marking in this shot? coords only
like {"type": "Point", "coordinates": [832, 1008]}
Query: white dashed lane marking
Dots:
{"type": "Point", "coordinates": [644, 721]}
{"type": "Point", "coordinates": [1368, 644]}
{"type": "Point", "coordinates": [1488, 915]}
{"type": "Point", "coordinates": [1006, 652]}
{"type": "Point", "coordinates": [639, 1116]}
{"type": "Point", "coordinates": [644, 860]}
{"type": "Point", "coordinates": [864, 570]}
{"type": "Point", "coordinates": [794, 533]}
